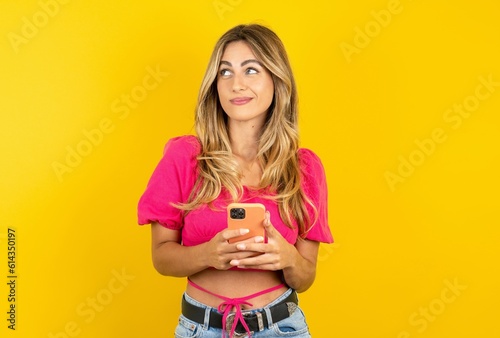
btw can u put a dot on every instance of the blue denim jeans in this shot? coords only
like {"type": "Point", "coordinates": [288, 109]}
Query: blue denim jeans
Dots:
{"type": "Point", "coordinates": [293, 326]}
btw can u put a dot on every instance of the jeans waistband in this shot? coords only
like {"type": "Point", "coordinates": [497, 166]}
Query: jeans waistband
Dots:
{"type": "Point", "coordinates": [274, 302]}
{"type": "Point", "coordinates": [240, 321]}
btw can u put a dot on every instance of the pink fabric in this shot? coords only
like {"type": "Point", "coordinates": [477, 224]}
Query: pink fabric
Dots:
{"type": "Point", "coordinates": [174, 178]}
{"type": "Point", "coordinates": [230, 304]}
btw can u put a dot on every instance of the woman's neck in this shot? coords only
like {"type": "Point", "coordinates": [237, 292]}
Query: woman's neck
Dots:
{"type": "Point", "coordinates": [244, 138]}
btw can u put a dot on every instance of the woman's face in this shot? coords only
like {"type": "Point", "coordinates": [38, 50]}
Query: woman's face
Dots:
{"type": "Point", "coordinates": [245, 87]}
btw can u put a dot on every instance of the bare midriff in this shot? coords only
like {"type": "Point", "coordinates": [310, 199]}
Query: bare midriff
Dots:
{"type": "Point", "coordinates": [236, 284]}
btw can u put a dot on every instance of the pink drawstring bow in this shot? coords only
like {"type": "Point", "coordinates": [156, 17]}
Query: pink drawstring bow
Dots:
{"type": "Point", "coordinates": [229, 304]}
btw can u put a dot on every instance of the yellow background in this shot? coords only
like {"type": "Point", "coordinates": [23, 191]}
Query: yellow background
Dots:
{"type": "Point", "coordinates": [417, 257]}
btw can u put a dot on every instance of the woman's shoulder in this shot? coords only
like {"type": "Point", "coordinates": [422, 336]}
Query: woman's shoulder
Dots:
{"type": "Point", "coordinates": [183, 145]}
{"type": "Point", "coordinates": [309, 160]}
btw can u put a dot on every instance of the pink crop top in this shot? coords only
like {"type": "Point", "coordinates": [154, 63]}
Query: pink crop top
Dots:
{"type": "Point", "coordinates": [174, 178]}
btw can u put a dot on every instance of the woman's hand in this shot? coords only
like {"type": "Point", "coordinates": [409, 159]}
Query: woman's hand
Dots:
{"type": "Point", "coordinates": [277, 253]}
{"type": "Point", "coordinates": [221, 253]}
{"type": "Point", "coordinates": [298, 261]}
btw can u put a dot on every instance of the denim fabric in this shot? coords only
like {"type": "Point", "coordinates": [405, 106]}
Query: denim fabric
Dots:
{"type": "Point", "coordinates": [293, 326]}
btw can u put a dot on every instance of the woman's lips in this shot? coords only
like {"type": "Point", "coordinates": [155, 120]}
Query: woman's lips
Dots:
{"type": "Point", "coordinates": [240, 100]}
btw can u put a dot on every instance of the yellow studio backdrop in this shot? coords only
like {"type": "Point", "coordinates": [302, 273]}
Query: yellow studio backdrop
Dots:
{"type": "Point", "coordinates": [399, 98]}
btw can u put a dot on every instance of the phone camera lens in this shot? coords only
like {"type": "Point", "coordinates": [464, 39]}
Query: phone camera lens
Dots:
{"type": "Point", "coordinates": [237, 213]}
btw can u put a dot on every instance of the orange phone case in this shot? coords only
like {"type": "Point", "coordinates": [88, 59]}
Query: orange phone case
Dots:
{"type": "Point", "coordinates": [253, 220]}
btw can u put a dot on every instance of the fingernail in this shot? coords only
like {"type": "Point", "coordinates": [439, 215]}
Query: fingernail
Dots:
{"type": "Point", "coordinates": [268, 218]}
{"type": "Point", "coordinates": [244, 231]}
{"type": "Point", "coordinates": [259, 239]}
{"type": "Point", "coordinates": [241, 246]}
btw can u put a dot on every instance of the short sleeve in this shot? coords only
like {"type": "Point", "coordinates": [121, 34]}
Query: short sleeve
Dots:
{"type": "Point", "coordinates": [315, 187]}
{"type": "Point", "coordinates": [171, 182]}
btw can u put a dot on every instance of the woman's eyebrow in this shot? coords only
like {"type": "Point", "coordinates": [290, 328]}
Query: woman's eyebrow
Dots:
{"type": "Point", "coordinates": [227, 63]}
{"type": "Point", "coordinates": [250, 61]}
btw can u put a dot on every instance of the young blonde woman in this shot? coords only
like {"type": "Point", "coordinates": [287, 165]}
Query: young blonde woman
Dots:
{"type": "Point", "coordinates": [246, 150]}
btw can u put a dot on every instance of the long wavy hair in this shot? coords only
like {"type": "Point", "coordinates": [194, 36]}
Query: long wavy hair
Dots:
{"type": "Point", "coordinates": [278, 143]}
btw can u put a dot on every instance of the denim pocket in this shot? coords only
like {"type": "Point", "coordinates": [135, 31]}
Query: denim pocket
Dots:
{"type": "Point", "coordinates": [293, 326]}
{"type": "Point", "coordinates": [187, 328]}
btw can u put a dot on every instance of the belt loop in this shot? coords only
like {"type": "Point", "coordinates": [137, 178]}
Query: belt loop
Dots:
{"type": "Point", "coordinates": [206, 320]}
{"type": "Point", "coordinates": [269, 317]}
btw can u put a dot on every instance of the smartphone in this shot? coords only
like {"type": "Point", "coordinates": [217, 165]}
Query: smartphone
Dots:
{"type": "Point", "coordinates": [246, 215]}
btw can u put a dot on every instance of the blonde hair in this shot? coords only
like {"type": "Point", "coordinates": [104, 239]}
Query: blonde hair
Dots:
{"type": "Point", "coordinates": [279, 141]}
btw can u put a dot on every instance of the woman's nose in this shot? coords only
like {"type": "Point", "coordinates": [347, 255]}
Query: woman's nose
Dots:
{"type": "Point", "coordinates": [238, 83]}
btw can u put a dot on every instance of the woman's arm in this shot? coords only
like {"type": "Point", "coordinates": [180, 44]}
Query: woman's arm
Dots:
{"type": "Point", "coordinates": [170, 258]}
{"type": "Point", "coordinates": [301, 272]}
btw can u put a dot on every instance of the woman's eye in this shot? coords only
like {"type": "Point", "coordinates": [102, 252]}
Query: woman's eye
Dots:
{"type": "Point", "coordinates": [252, 71]}
{"type": "Point", "coordinates": [224, 72]}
